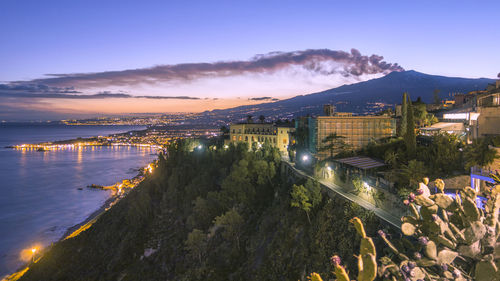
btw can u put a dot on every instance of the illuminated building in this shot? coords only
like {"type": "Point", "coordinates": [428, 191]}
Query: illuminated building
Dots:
{"type": "Point", "coordinates": [259, 133]}
{"type": "Point", "coordinates": [357, 131]}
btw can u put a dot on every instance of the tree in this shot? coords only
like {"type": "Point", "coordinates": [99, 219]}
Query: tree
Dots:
{"type": "Point", "coordinates": [196, 244]}
{"type": "Point", "coordinates": [262, 118]}
{"type": "Point", "coordinates": [306, 197]}
{"type": "Point", "coordinates": [314, 191]}
{"type": "Point", "coordinates": [300, 199]}
{"type": "Point", "coordinates": [224, 130]}
{"type": "Point", "coordinates": [249, 119]}
{"type": "Point", "coordinates": [404, 116]}
{"type": "Point", "coordinates": [437, 100]}
{"type": "Point", "coordinates": [391, 158]}
{"type": "Point", "coordinates": [409, 136]}
{"type": "Point", "coordinates": [237, 186]}
{"type": "Point", "coordinates": [334, 144]}
{"type": "Point", "coordinates": [479, 154]}
{"type": "Point", "coordinates": [413, 173]}
{"type": "Point", "coordinates": [232, 223]}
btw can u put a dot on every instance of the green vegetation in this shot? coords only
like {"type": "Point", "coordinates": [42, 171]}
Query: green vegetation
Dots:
{"type": "Point", "coordinates": [445, 239]}
{"type": "Point", "coordinates": [306, 197]}
{"type": "Point", "coordinates": [440, 156]}
{"type": "Point", "coordinates": [404, 116]}
{"type": "Point", "coordinates": [211, 214]}
{"type": "Point", "coordinates": [409, 136]}
{"type": "Point", "coordinates": [479, 153]}
{"type": "Point", "coordinates": [421, 116]}
{"type": "Point", "coordinates": [334, 144]}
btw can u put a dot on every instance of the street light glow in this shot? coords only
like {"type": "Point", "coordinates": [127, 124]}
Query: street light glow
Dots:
{"type": "Point", "coordinates": [305, 158]}
{"type": "Point", "coordinates": [199, 146]}
{"type": "Point", "coordinates": [33, 250]}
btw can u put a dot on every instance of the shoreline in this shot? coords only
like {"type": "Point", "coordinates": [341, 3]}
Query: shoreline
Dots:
{"type": "Point", "coordinates": [117, 192]}
{"type": "Point", "coordinates": [76, 229]}
{"type": "Point", "coordinates": [108, 203]}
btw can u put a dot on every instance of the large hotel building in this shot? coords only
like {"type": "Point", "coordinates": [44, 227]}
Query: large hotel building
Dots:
{"type": "Point", "coordinates": [357, 131]}
{"type": "Point", "coordinates": [259, 133]}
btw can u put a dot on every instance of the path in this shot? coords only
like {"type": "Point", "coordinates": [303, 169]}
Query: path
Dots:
{"type": "Point", "coordinates": [382, 214]}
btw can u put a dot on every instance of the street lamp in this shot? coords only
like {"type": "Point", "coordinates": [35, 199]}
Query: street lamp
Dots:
{"type": "Point", "coordinates": [305, 158]}
{"type": "Point", "coordinates": [367, 186]}
{"type": "Point", "coordinates": [33, 251]}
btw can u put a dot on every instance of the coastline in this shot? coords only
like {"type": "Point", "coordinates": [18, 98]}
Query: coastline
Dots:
{"type": "Point", "coordinates": [76, 229]}
{"type": "Point", "coordinates": [117, 191]}
{"type": "Point", "coordinates": [109, 203]}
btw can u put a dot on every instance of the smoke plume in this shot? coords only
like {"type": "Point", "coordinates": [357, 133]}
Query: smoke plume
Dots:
{"type": "Point", "coordinates": [319, 61]}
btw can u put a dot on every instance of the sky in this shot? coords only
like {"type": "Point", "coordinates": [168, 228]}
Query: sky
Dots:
{"type": "Point", "coordinates": [62, 59]}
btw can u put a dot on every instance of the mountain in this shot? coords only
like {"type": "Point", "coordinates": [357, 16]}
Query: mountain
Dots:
{"type": "Point", "coordinates": [361, 97]}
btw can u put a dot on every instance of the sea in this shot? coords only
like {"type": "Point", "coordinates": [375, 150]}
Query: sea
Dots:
{"type": "Point", "coordinates": [42, 194]}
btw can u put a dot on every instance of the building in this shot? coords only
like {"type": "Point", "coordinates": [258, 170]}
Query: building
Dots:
{"type": "Point", "coordinates": [357, 131]}
{"type": "Point", "coordinates": [279, 136]}
{"type": "Point", "coordinates": [329, 109]}
{"type": "Point", "coordinates": [454, 128]}
{"type": "Point", "coordinates": [488, 121]}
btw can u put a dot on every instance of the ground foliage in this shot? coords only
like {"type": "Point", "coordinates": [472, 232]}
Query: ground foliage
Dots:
{"type": "Point", "coordinates": [210, 214]}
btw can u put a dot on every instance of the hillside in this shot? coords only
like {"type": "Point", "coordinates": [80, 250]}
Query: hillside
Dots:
{"type": "Point", "coordinates": [357, 97]}
{"type": "Point", "coordinates": [212, 215]}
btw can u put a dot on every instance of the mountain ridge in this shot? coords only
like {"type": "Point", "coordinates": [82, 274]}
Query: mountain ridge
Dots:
{"type": "Point", "coordinates": [363, 96]}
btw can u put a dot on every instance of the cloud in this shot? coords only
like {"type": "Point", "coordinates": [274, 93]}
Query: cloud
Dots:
{"type": "Point", "coordinates": [264, 99]}
{"type": "Point", "coordinates": [101, 95]}
{"type": "Point", "coordinates": [314, 60]}
{"type": "Point", "coordinates": [36, 88]}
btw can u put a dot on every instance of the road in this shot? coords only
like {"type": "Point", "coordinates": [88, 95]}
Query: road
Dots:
{"type": "Point", "coordinates": [382, 214]}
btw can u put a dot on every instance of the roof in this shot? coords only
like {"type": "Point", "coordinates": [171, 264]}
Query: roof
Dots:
{"type": "Point", "coordinates": [361, 162]}
{"type": "Point", "coordinates": [447, 126]}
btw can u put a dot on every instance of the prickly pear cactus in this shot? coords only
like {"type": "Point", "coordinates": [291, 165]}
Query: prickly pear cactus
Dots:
{"type": "Point", "coordinates": [367, 259]}
{"type": "Point", "coordinates": [447, 238]}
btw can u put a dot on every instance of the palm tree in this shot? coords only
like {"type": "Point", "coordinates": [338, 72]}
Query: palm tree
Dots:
{"type": "Point", "coordinates": [479, 154]}
{"type": "Point", "coordinates": [249, 119]}
{"type": "Point", "coordinates": [262, 118]}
